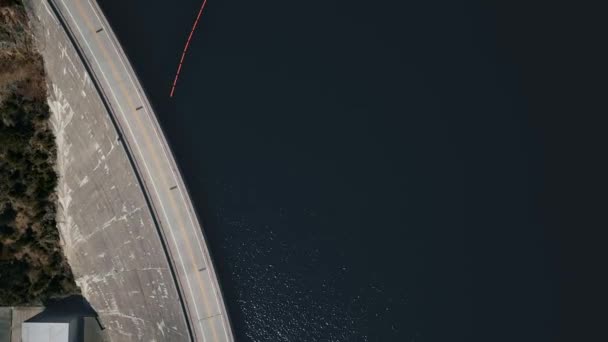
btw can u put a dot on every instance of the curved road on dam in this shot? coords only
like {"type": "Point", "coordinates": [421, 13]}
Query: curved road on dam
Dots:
{"type": "Point", "coordinates": [156, 166]}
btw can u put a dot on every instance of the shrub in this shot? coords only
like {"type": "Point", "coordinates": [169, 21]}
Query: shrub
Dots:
{"type": "Point", "coordinates": [32, 268]}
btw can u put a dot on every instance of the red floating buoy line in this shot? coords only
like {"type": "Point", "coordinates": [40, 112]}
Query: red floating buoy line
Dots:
{"type": "Point", "coordinates": [181, 61]}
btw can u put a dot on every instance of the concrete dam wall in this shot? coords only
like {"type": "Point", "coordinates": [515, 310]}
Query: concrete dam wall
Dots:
{"type": "Point", "coordinates": [105, 224]}
{"type": "Point", "coordinates": [125, 258]}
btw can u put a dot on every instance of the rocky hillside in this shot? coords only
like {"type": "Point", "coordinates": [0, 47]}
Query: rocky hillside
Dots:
{"type": "Point", "coordinates": [32, 266]}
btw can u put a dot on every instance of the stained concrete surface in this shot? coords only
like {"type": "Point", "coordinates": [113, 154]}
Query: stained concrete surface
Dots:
{"type": "Point", "coordinates": [152, 161]}
{"type": "Point", "coordinates": [107, 229]}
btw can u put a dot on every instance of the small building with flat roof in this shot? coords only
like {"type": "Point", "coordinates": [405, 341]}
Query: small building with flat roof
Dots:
{"type": "Point", "coordinates": [12, 318]}
{"type": "Point", "coordinates": [70, 319]}
{"type": "Point", "coordinates": [51, 332]}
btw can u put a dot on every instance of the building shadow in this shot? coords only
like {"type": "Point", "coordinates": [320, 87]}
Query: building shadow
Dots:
{"type": "Point", "coordinates": [69, 319]}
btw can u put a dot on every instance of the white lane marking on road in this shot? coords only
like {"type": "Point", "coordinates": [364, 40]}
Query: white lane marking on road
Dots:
{"type": "Point", "coordinates": [144, 162]}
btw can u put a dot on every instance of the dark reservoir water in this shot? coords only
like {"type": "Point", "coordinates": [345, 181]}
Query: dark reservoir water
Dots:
{"type": "Point", "coordinates": [365, 171]}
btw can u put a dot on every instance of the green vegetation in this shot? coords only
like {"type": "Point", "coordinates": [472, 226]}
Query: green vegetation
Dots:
{"type": "Point", "coordinates": [32, 266]}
